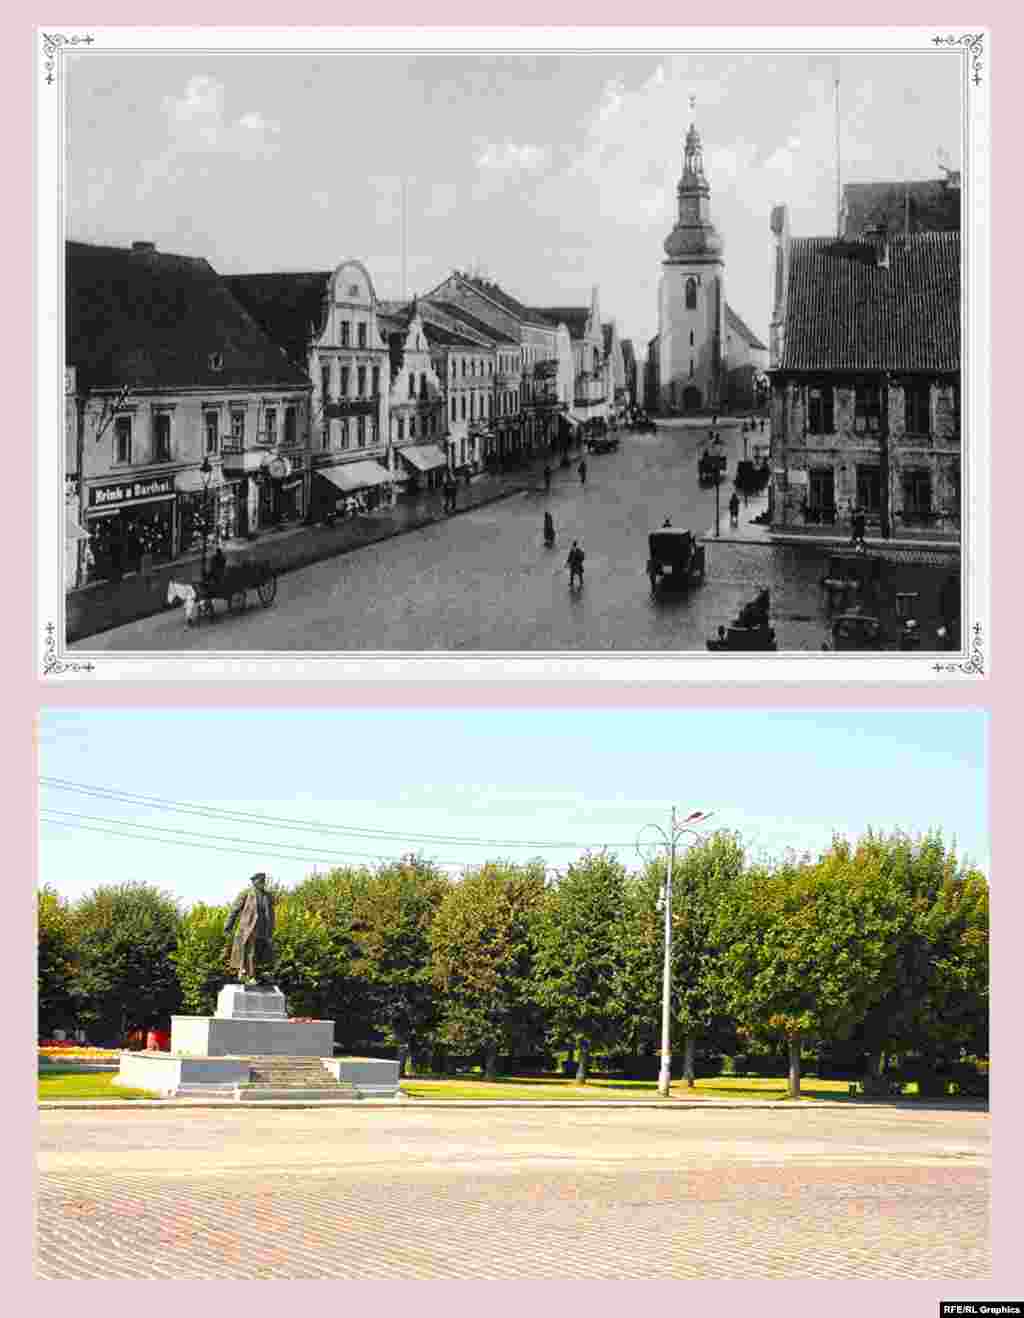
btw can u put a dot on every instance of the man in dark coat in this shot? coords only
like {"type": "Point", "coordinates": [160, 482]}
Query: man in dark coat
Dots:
{"type": "Point", "coordinates": [253, 943]}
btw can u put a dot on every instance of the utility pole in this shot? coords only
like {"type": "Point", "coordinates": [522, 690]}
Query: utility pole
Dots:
{"type": "Point", "coordinates": [883, 462]}
{"type": "Point", "coordinates": [839, 196]}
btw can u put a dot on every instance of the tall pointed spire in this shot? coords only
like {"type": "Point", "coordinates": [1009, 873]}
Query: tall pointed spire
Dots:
{"type": "Point", "coordinates": [694, 234]}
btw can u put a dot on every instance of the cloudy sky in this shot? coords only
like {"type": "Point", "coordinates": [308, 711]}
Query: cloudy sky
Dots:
{"type": "Point", "coordinates": [195, 800]}
{"type": "Point", "coordinates": [551, 173]}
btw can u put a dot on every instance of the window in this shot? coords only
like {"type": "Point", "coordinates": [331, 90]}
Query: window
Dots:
{"type": "Point", "coordinates": [820, 415]}
{"type": "Point", "coordinates": [215, 361]}
{"type": "Point", "coordinates": [211, 424]}
{"type": "Point", "coordinates": [361, 334]}
{"type": "Point", "coordinates": [343, 433]}
{"type": "Point", "coordinates": [869, 488]}
{"type": "Point", "coordinates": [238, 427]}
{"type": "Point", "coordinates": [423, 385]}
{"type": "Point", "coordinates": [290, 426]}
{"type": "Point", "coordinates": [463, 368]}
{"type": "Point", "coordinates": [325, 383]}
{"type": "Point", "coordinates": [454, 409]}
{"type": "Point", "coordinates": [325, 436]}
{"type": "Point", "coordinates": [917, 495]}
{"type": "Point", "coordinates": [270, 425]}
{"type": "Point", "coordinates": [361, 382]}
{"type": "Point", "coordinates": [345, 333]}
{"type": "Point", "coordinates": [691, 368]}
{"type": "Point", "coordinates": [376, 381]}
{"type": "Point", "coordinates": [463, 407]}
{"type": "Point", "coordinates": [472, 407]}
{"type": "Point", "coordinates": [123, 439]}
{"type": "Point", "coordinates": [917, 400]}
{"type": "Point", "coordinates": [691, 338]}
{"type": "Point", "coordinates": [162, 437]}
{"type": "Point", "coordinates": [412, 385]}
{"type": "Point", "coordinates": [346, 371]}
{"type": "Point", "coordinates": [691, 294]}
{"type": "Point", "coordinates": [867, 408]}
{"type": "Point", "coordinates": [412, 427]}
{"type": "Point", "coordinates": [361, 431]}
{"type": "Point", "coordinates": [401, 427]}
{"type": "Point", "coordinates": [433, 423]}
{"type": "Point", "coordinates": [472, 369]}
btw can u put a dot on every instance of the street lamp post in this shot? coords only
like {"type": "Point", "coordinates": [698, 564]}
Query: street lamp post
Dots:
{"type": "Point", "coordinates": [668, 841]}
{"type": "Point", "coordinates": [206, 471]}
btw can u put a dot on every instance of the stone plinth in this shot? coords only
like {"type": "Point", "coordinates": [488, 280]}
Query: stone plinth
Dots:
{"type": "Point", "coordinates": [223, 1036]}
{"type": "Point", "coordinates": [370, 1077]}
{"type": "Point", "coordinates": [265, 1002]}
{"type": "Point", "coordinates": [166, 1074]}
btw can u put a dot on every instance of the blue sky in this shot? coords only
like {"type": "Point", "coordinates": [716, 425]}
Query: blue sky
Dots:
{"type": "Point", "coordinates": [552, 173]}
{"type": "Point", "coordinates": [586, 777]}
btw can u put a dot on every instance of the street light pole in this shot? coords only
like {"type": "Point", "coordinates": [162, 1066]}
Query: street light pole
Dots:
{"type": "Point", "coordinates": [668, 841]}
{"type": "Point", "coordinates": [207, 472]}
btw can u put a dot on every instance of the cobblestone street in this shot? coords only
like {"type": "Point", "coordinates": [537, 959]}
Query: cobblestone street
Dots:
{"type": "Point", "coordinates": [483, 579]}
{"type": "Point", "coordinates": [442, 1193]}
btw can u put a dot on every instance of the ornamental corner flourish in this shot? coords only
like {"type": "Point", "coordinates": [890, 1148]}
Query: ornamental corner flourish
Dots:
{"type": "Point", "coordinates": [52, 43]}
{"type": "Point", "coordinates": [51, 663]}
{"type": "Point", "coordinates": [974, 664]}
{"type": "Point", "coordinates": [972, 43]}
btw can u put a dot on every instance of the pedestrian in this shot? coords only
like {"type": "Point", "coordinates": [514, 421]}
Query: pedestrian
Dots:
{"type": "Point", "coordinates": [667, 522]}
{"type": "Point", "coordinates": [582, 469]}
{"type": "Point", "coordinates": [549, 530]}
{"type": "Point", "coordinates": [858, 522]}
{"type": "Point", "coordinates": [575, 565]}
{"type": "Point", "coordinates": [734, 509]}
{"type": "Point", "coordinates": [762, 425]}
{"type": "Point", "coordinates": [547, 478]}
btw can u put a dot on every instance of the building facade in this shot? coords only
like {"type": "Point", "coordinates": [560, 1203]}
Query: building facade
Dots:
{"type": "Point", "coordinates": [416, 405]}
{"type": "Point", "coordinates": [186, 414]}
{"type": "Point", "coordinates": [865, 381]}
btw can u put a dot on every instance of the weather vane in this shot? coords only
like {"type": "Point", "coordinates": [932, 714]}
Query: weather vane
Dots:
{"type": "Point", "coordinates": [693, 102]}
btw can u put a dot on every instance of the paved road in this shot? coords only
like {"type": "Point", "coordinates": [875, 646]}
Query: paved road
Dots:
{"type": "Point", "coordinates": [443, 1193]}
{"type": "Point", "coordinates": [483, 580]}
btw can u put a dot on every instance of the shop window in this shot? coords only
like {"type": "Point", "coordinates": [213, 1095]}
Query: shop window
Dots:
{"type": "Point", "coordinates": [270, 425]}
{"type": "Point", "coordinates": [290, 426]}
{"type": "Point", "coordinates": [122, 439]}
{"type": "Point", "coordinates": [361, 332]}
{"type": "Point", "coordinates": [211, 424]}
{"type": "Point", "coordinates": [361, 382]}
{"type": "Point", "coordinates": [162, 437]}
{"type": "Point", "coordinates": [361, 431]}
{"type": "Point", "coordinates": [345, 333]}
{"type": "Point", "coordinates": [820, 411]}
{"type": "Point", "coordinates": [867, 408]}
{"type": "Point", "coordinates": [343, 383]}
{"type": "Point", "coordinates": [917, 398]}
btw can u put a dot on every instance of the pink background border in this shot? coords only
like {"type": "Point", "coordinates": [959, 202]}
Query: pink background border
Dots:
{"type": "Point", "coordinates": [25, 694]}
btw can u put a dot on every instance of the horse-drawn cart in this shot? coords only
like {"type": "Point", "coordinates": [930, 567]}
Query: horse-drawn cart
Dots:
{"type": "Point", "coordinates": [232, 585]}
{"type": "Point", "coordinates": [676, 560]}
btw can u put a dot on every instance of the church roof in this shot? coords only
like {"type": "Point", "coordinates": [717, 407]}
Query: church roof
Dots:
{"type": "Point", "coordinates": [155, 320]}
{"type": "Point", "coordinates": [928, 204]}
{"type": "Point", "coordinates": [740, 327]}
{"type": "Point", "coordinates": [845, 310]}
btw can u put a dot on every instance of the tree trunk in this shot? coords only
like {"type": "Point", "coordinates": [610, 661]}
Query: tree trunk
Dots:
{"type": "Point", "coordinates": [794, 1067]}
{"type": "Point", "coordinates": [689, 1046]}
{"type": "Point", "coordinates": [491, 1062]}
{"type": "Point", "coordinates": [403, 1055]}
{"type": "Point", "coordinates": [581, 1070]}
{"type": "Point", "coordinates": [873, 1082]}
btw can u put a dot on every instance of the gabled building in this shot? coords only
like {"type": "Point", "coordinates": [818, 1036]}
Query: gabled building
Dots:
{"type": "Point", "coordinates": [629, 368]}
{"type": "Point", "coordinates": [592, 383]}
{"type": "Point", "coordinates": [189, 418]}
{"type": "Point", "coordinates": [746, 362]}
{"type": "Point", "coordinates": [901, 207]}
{"type": "Point", "coordinates": [865, 380]}
{"type": "Point", "coordinates": [416, 405]}
{"type": "Point", "coordinates": [327, 323]}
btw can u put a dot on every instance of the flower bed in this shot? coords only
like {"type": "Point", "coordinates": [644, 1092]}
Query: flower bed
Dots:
{"type": "Point", "coordinates": [51, 1051]}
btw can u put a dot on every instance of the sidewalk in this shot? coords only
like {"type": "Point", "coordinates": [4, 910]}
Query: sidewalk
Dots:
{"type": "Point", "coordinates": [106, 604]}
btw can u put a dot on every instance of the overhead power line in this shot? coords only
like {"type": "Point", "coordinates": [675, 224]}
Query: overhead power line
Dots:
{"type": "Point", "coordinates": [225, 814]}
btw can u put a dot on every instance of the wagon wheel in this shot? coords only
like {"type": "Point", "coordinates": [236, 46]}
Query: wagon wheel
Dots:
{"type": "Point", "coordinates": [266, 590]}
{"type": "Point", "coordinates": [205, 609]}
{"type": "Point", "coordinates": [236, 601]}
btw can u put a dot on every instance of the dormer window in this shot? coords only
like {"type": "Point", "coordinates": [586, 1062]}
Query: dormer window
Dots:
{"type": "Point", "coordinates": [215, 361]}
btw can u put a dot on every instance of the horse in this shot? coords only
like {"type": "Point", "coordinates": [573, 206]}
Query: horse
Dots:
{"type": "Point", "coordinates": [184, 593]}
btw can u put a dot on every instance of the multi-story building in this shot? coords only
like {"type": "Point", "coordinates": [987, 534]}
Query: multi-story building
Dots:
{"type": "Point", "coordinates": [592, 383]}
{"type": "Point", "coordinates": [416, 405]}
{"type": "Point", "coordinates": [327, 323]}
{"type": "Point", "coordinates": [629, 369]}
{"type": "Point", "coordinates": [865, 380]}
{"type": "Point", "coordinates": [185, 409]}
{"type": "Point", "coordinates": [464, 362]}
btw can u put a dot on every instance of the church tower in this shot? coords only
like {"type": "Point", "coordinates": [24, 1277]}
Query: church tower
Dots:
{"type": "Point", "coordinates": [691, 295]}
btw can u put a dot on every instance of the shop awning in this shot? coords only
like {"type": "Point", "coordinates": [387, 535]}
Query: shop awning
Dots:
{"type": "Point", "coordinates": [355, 476]}
{"type": "Point", "coordinates": [424, 457]}
{"type": "Point", "coordinates": [72, 530]}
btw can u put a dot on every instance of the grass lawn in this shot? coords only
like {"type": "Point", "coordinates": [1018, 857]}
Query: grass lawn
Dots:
{"type": "Point", "coordinates": [76, 1084]}
{"type": "Point", "coordinates": [469, 1086]}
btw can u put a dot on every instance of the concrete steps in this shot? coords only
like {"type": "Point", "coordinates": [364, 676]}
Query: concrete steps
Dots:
{"type": "Point", "coordinates": [308, 1074]}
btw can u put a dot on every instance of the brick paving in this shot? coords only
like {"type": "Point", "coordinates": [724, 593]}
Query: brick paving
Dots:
{"type": "Point", "coordinates": [444, 1194]}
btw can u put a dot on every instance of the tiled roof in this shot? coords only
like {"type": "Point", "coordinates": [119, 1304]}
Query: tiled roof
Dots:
{"type": "Point", "coordinates": [451, 331]}
{"type": "Point", "coordinates": [289, 306]}
{"type": "Point", "coordinates": [740, 326]}
{"type": "Point", "coordinates": [155, 320]}
{"type": "Point", "coordinates": [845, 311]}
{"type": "Point", "coordinates": [574, 318]}
{"type": "Point", "coordinates": [929, 205]}
{"type": "Point", "coordinates": [474, 323]}
{"type": "Point", "coordinates": [504, 300]}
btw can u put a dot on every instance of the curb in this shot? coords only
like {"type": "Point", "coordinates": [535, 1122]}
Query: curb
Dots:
{"type": "Point", "coordinates": [407, 1102]}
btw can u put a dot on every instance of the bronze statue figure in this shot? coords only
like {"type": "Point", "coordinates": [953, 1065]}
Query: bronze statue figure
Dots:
{"type": "Point", "coordinates": [253, 944]}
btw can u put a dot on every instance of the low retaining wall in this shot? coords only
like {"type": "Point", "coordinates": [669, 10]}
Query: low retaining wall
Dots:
{"type": "Point", "coordinates": [166, 1074]}
{"type": "Point", "coordinates": [371, 1077]}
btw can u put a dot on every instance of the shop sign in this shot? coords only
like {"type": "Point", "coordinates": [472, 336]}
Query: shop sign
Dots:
{"type": "Point", "coordinates": [137, 491]}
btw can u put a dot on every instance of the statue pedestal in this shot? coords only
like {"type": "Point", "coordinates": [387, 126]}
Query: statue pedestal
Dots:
{"type": "Point", "coordinates": [251, 1021]}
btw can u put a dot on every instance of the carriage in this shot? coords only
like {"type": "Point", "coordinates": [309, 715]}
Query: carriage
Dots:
{"type": "Point", "coordinates": [856, 631]}
{"type": "Point", "coordinates": [849, 575]}
{"type": "Point", "coordinates": [232, 586]}
{"type": "Point", "coordinates": [711, 467]}
{"type": "Point", "coordinates": [676, 560]}
{"type": "Point", "coordinates": [751, 629]}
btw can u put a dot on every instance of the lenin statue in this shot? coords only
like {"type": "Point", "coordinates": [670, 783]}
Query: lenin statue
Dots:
{"type": "Point", "coordinates": [253, 944]}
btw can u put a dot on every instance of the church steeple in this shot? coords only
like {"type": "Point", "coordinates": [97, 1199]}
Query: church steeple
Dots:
{"type": "Point", "coordinates": [694, 235]}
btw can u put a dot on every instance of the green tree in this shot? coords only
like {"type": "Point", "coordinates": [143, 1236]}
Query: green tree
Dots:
{"type": "Point", "coordinates": [305, 963]}
{"type": "Point", "coordinates": [391, 934]}
{"type": "Point", "coordinates": [578, 955]}
{"type": "Point", "coordinates": [54, 960]}
{"type": "Point", "coordinates": [482, 960]}
{"type": "Point", "coordinates": [805, 951]}
{"type": "Point", "coordinates": [201, 958]}
{"type": "Point", "coordinates": [124, 977]}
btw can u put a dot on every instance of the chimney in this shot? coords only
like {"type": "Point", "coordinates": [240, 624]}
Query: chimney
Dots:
{"type": "Point", "coordinates": [877, 235]}
{"type": "Point", "coordinates": [143, 249]}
